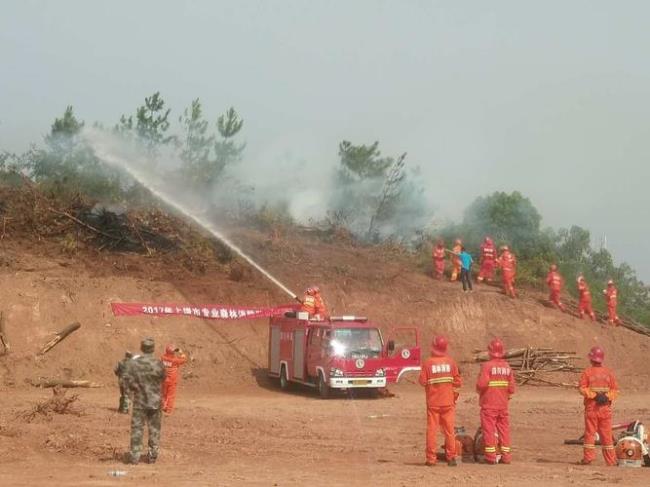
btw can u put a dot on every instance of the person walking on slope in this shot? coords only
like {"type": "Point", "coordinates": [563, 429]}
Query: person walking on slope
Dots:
{"type": "Point", "coordinates": [441, 380]}
{"type": "Point", "coordinates": [555, 282]}
{"type": "Point", "coordinates": [584, 301]}
{"type": "Point", "coordinates": [508, 263]}
{"type": "Point", "coordinates": [495, 386]}
{"type": "Point", "coordinates": [465, 269]}
{"type": "Point", "coordinates": [488, 260]}
{"type": "Point", "coordinates": [120, 370]}
{"type": "Point", "coordinates": [172, 359]}
{"type": "Point", "coordinates": [438, 255]}
{"type": "Point", "coordinates": [455, 260]}
{"type": "Point", "coordinates": [598, 387]}
{"type": "Point", "coordinates": [611, 297]}
{"type": "Point", "coordinates": [144, 376]}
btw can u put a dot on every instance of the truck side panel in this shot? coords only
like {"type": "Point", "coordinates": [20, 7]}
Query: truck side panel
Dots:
{"type": "Point", "coordinates": [299, 354]}
{"type": "Point", "coordinates": [274, 351]}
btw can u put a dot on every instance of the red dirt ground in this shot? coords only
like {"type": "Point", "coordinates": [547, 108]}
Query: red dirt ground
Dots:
{"type": "Point", "coordinates": [233, 427]}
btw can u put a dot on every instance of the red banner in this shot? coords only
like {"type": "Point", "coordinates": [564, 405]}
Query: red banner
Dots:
{"type": "Point", "coordinates": [206, 311]}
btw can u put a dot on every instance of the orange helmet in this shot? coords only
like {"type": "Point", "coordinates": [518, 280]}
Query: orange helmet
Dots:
{"type": "Point", "coordinates": [505, 248]}
{"type": "Point", "coordinates": [597, 355]}
{"type": "Point", "coordinates": [581, 278]}
{"type": "Point", "coordinates": [458, 241]}
{"type": "Point", "coordinates": [496, 348]}
{"type": "Point", "coordinates": [488, 240]}
{"type": "Point", "coordinates": [169, 349]}
{"type": "Point", "coordinates": [610, 283]}
{"type": "Point", "coordinates": [439, 346]}
{"type": "Point", "coordinates": [553, 267]}
{"type": "Point", "coordinates": [311, 290]}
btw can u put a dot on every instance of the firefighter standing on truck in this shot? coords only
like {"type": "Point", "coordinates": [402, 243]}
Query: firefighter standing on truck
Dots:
{"type": "Point", "coordinates": [313, 303]}
{"type": "Point", "coordinates": [441, 379]}
{"type": "Point", "coordinates": [598, 387]}
{"type": "Point", "coordinates": [172, 360]}
{"type": "Point", "coordinates": [495, 386]}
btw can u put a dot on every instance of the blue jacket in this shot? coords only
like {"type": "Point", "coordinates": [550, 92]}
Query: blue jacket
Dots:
{"type": "Point", "coordinates": [465, 260]}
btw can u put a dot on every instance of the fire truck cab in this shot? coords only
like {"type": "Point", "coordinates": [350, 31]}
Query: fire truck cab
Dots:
{"type": "Point", "coordinates": [338, 353]}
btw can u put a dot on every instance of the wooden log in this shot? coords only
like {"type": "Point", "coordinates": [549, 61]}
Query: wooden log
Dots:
{"type": "Point", "coordinates": [42, 382]}
{"type": "Point", "coordinates": [4, 339]}
{"type": "Point", "coordinates": [60, 336]}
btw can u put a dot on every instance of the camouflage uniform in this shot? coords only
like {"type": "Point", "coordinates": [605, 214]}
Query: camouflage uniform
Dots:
{"type": "Point", "coordinates": [119, 370]}
{"type": "Point", "coordinates": [144, 375]}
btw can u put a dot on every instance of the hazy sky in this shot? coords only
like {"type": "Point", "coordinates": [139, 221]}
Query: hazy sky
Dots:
{"type": "Point", "coordinates": [550, 98]}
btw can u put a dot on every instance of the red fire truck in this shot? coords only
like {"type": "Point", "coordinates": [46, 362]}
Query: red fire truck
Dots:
{"type": "Point", "coordinates": [338, 353]}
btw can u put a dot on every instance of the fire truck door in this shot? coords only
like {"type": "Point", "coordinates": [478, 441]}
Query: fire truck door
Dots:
{"type": "Point", "coordinates": [299, 354]}
{"type": "Point", "coordinates": [274, 353]}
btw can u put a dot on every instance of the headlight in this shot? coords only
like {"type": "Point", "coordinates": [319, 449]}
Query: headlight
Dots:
{"type": "Point", "coordinates": [338, 349]}
{"type": "Point", "coordinates": [380, 373]}
{"type": "Point", "coordinates": [336, 373]}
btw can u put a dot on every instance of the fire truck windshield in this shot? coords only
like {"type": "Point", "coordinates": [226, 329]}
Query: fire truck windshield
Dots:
{"type": "Point", "coordinates": [356, 342]}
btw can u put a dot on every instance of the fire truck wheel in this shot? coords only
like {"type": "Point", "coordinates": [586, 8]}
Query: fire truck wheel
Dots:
{"type": "Point", "coordinates": [284, 380]}
{"type": "Point", "coordinates": [323, 388]}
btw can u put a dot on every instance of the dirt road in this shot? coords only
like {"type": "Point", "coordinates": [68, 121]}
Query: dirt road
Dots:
{"type": "Point", "coordinates": [261, 436]}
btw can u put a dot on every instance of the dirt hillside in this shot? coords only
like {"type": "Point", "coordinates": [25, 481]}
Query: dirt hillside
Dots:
{"type": "Point", "coordinates": [44, 289]}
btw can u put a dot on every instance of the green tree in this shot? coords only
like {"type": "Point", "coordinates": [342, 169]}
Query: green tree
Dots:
{"type": "Point", "coordinates": [150, 125]}
{"type": "Point", "coordinates": [226, 150]}
{"type": "Point", "coordinates": [362, 162]}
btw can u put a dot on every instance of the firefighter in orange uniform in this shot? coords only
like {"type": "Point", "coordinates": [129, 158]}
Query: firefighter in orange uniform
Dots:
{"type": "Point", "coordinates": [599, 388]}
{"type": "Point", "coordinates": [172, 360]}
{"type": "Point", "coordinates": [611, 297]}
{"type": "Point", "coordinates": [455, 260]}
{"type": "Point", "coordinates": [584, 302]}
{"type": "Point", "coordinates": [555, 282]}
{"type": "Point", "coordinates": [313, 303]}
{"type": "Point", "coordinates": [508, 263]}
{"type": "Point", "coordinates": [441, 379]}
{"type": "Point", "coordinates": [495, 386]}
{"type": "Point", "coordinates": [488, 260]}
{"type": "Point", "coordinates": [439, 260]}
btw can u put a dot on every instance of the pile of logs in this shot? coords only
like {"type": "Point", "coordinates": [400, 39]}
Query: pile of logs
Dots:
{"type": "Point", "coordinates": [531, 364]}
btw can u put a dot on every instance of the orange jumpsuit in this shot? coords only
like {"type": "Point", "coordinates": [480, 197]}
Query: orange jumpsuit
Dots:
{"type": "Point", "coordinates": [314, 305]}
{"type": "Point", "coordinates": [488, 261]}
{"type": "Point", "coordinates": [611, 296]}
{"type": "Point", "coordinates": [441, 380]}
{"type": "Point", "coordinates": [508, 263]}
{"type": "Point", "coordinates": [555, 281]}
{"type": "Point", "coordinates": [455, 262]}
{"type": "Point", "coordinates": [584, 303]}
{"type": "Point", "coordinates": [172, 363]}
{"type": "Point", "coordinates": [495, 385]}
{"type": "Point", "coordinates": [438, 261]}
{"type": "Point", "coordinates": [598, 418]}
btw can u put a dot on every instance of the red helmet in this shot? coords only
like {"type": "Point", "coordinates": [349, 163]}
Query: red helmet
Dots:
{"type": "Point", "coordinates": [610, 283]}
{"type": "Point", "coordinates": [496, 349]}
{"type": "Point", "coordinates": [439, 346]}
{"type": "Point", "coordinates": [597, 355]}
{"type": "Point", "coordinates": [553, 267]}
{"type": "Point", "coordinates": [581, 278]}
{"type": "Point", "coordinates": [505, 248]}
{"type": "Point", "coordinates": [170, 349]}
{"type": "Point", "coordinates": [488, 240]}
{"type": "Point", "coordinates": [311, 290]}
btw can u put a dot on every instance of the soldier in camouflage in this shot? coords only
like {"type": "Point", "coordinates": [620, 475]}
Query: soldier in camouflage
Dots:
{"type": "Point", "coordinates": [144, 375]}
{"type": "Point", "coordinates": [120, 370]}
